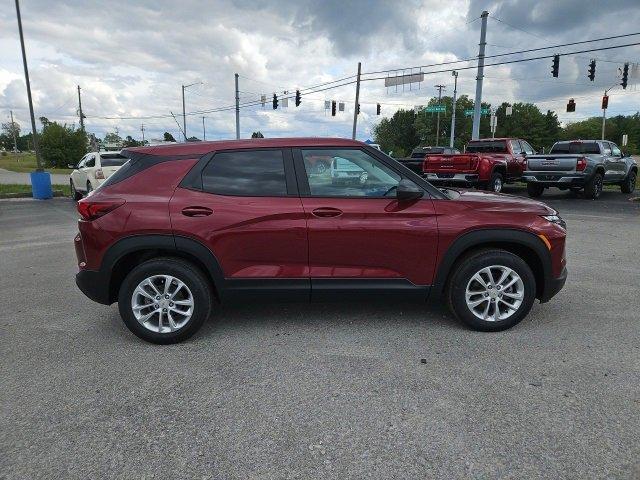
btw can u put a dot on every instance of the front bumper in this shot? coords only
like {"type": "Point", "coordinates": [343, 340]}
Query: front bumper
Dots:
{"type": "Point", "coordinates": [561, 179]}
{"type": "Point", "coordinates": [553, 286]}
{"type": "Point", "coordinates": [452, 178]}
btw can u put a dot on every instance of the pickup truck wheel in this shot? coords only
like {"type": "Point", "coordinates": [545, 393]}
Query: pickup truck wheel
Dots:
{"type": "Point", "coordinates": [593, 188]}
{"type": "Point", "coordinates": [495, 183]}
{"type": "Point", "coordinates": [165, 300]}
{"type": "Point", "coordinates": [535, 190]}
{"type": "Point", "coordinates": [491, 290]}
{"type": "Point", "coordinates": [629, 185]}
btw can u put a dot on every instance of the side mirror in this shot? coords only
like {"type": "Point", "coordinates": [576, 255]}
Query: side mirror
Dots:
{"type": "Point", "coordinates": [407, 190]}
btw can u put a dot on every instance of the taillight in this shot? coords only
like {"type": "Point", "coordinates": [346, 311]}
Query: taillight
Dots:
{"type": "Point", "coordinates": [90, 210]}
{"type": "Point", "coordinates": [581, 164]}
{"type": "Point", "coordinates": [99, 174]}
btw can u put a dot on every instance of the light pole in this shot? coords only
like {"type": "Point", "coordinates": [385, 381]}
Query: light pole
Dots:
{"type": "Point", "coordinates": [439, 87]}
{"type": "Point", "coordinates": [184, 114]}
{"type": "Point", "coordinates": [453, 107]}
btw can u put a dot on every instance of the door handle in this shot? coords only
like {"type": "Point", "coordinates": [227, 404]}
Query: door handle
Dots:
{"type": "Point", "coordinates": [326, 212]}
{"type": "Point", "coordinates": [196, 211]}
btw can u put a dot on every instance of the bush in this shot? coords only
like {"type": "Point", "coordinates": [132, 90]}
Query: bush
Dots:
{"type": "Point", "coordinates": [61, 145]}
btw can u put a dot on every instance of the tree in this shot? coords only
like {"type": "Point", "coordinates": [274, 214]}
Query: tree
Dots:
{"type": "Point", "coordinates": [257, 134]}
{"type": "Point", "coordinates": [11, 129]}
{"type": "Point", "coordinates": [61, 144]}
{"type": "Point", "coordinates": [168, 137]}
{"type": "Point", "coordinates": [397, 134]}
{"type": "Point", "coordinates": [129, 141]}
{"type": "Point", "coordinates": [112, 138]}
{"type": "Point", "coordinates": [193, 139]}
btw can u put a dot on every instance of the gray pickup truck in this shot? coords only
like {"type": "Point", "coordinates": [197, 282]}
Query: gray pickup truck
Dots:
{"type": "Point", "coordinates": [581, 165]}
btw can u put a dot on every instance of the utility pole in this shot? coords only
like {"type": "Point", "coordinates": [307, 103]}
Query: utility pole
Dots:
{"type": "Point", "coordinates": [26, 78]}
{"type": "Point", "coordinates": [13, 130]}
{"type": "Point", "coordinates": [142, 130]}
{"type": "Point", "coordinates": [357, 104]}
{"type": "Point", "coordinates": [604, 117]}
{"type": "Point", "coordinates": [80, 110]}
{"type": "Point", "coordinates": [237, 110]}
{"type": "Point", "coordinates": [440, 88]}
{"type": "Point", "coordinates": [184, 117]}
{"type": "Point", "coordinates": [478, 101]}
{"type": "Point", "coordinates": [453, 108]}
{"type": "Point", "coordinates": [204, 131]}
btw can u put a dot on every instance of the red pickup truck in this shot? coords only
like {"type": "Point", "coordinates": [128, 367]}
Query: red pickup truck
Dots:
{"type": "Point", "coordinates": [486, 163]}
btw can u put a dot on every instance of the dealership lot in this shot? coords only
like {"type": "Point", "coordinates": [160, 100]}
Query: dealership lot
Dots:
{"type": "Point", "coordinates": [322, 391]}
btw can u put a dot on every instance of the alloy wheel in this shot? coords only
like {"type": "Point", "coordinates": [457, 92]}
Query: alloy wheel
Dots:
{"type": "Point", "coordinates": [494, 293]}
{"type": "Point", "coordinates": [162, 303]}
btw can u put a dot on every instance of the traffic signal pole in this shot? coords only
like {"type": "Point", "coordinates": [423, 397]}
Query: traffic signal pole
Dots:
{"type": "Point", "coordinates": [604, 117]}
{"type": "Point", "coordinates": [237, 110]}
{"type": "Point", "coordinates": [355, 108]}
{"type": "Point", "coordinates": [439, 87]}
{"type": "Point", "coordinates": [475, 133]}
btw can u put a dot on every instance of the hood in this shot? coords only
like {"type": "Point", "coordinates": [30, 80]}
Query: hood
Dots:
{"type": "Point", "coordinates": [500, 202]}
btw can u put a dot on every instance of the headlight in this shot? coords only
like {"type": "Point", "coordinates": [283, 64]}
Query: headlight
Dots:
{"type": "Point", "coordinates": [557, 219]}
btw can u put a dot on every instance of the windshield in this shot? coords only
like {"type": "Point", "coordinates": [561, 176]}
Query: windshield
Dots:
{"type": "Point", "coordinates": [487, 146]}
{"type": "Point", "coordinates": [112, 159]}
{"type": "Point", "coordinates": [575, 147]}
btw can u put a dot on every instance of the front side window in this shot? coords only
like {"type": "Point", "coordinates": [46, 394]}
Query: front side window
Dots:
{"type": "Point", "coordinates": [615, 150]}
{"type": "Point", "coordinates": [515, 147]}
{"type": "Point", "coordinates": [351, 173]}
{"type": "Point", "coordinates": [251, 173]}
{"type": "Point", "coordinates": [528, 149]}
{"type": "Point", "coordinates": [91, 161]}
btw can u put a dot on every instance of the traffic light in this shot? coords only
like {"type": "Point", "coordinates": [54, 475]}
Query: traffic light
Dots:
{"type": "Point", "coordinates": [592, 70]}
{"type": "Point", "coordinates": [298, 98]}
{"type": "Point", "coordinates": [358, 109]}
{"type": "Point", "coordinates": [625, 75]}
{"type": "Point", "coordinates": [571, 106]}
{"type": "Point", "coordinates": [555, 66]}
{"type": "Point", "coordinates": [333, 108]}
{"type": "Point", "coordinates": [275, 101]}
{"type": "Point", "coordinates": [378, 109]}
{"type": "Point", "coordinates": [605, 102]}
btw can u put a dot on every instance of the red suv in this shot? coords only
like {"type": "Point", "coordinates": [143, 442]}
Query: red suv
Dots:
{"type": "Point", "coordinates": [181, 227]}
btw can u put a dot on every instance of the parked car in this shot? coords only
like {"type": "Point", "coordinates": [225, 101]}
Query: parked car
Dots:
{"type": "Point", "coordinates": [344, 171]}
{"type": "Point", "coordinates": [581, 165]}
{"type": "Point", "coordinates": [487, 163]}
{"type": "Point", "coordinates": [415, 161]}
{"type": "Point", "coordinates": [181, 227]}
{"type": "Point", "coordinates": [93, 169]}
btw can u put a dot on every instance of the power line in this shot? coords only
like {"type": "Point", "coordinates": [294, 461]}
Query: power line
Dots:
{"type": "Point", "coordinates": [516, 28]}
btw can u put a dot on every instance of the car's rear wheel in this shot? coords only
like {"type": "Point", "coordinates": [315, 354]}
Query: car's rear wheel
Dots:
{"type": "Point", "coordinates": [491, 290]}
{"type": "Point", "coordinates": [593, 188]}
{"type": "Point", "coordinates": [89, 188]}
{"type": "Point", "coordinates": [75, 195]}
{"type": "Point", "coordinates": [496, 182]}
{"type": "Point", "coordinates": [629, 185]}
{"type": "Point", "coordinates": [165, 300]}
{"type": "Point", "coordinates": [535, 190]}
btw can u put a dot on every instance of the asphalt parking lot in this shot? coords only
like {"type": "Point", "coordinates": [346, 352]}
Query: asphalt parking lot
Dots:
{"type": "Point", "coordinates": [322, 391]}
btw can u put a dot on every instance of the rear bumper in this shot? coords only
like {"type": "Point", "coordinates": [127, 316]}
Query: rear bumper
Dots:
{"type": "Point", "coordinates": [553, 286]}
{"type": "Point", "coordinates": [456, 178]}
{"type": "Point", "coordinates": [562, 179]}
{"type": "Point", "coordinates": [94, 285]}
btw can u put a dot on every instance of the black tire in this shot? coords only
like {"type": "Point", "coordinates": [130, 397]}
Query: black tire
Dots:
{"type": "Point", "coordinates": [593, 188]}
{"type": "Point", "coordinates": [186, 272]}
{"type": "Point", "coordinates": [471, 264]}
{"type": "Point", "coordinates": [89, 188]}
{"type": "Point", "coordinates": [496, 182]}
{"type": "Point", "coordinates": [75, 195]}
{"type": "Point", "coordinates": [535, 190]}
{"type": "Point", "coordinates": [629, 184]}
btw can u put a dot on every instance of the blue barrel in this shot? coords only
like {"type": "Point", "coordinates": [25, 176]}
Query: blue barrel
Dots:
{"type": "Point", "coordinates": [41, 185]}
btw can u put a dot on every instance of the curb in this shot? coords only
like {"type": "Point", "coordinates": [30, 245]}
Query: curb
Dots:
{"type": "Point", "coordinates": [5, 196]}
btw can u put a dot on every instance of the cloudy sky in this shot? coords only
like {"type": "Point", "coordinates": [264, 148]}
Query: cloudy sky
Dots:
{"type": "Point", "coordinates": [131, 58]}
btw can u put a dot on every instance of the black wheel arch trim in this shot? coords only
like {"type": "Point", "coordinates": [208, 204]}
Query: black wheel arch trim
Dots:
{"type": "Point", "coordinates": [478, 238]}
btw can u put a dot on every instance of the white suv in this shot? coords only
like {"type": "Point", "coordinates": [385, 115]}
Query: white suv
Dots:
{"type": "Point", "coordinates": [92, 170]}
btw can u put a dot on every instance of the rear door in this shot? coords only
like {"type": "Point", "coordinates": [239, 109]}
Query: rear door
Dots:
{"type": "Point", "coordinates": [244, 206]}
{"type": "Point", "coordinates": [610, 167]}
{"type": "Point", "coordinates": [618, 166]}
{"type": "Point", "coordinates": [77, 175]}
{"type": "Point", "coordinates": [360, 237]}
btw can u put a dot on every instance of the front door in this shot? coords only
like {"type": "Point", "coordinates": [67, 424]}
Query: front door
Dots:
{"type": "Point", "coordinates": [361, 238]}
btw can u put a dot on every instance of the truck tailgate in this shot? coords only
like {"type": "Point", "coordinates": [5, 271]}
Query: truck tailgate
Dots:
{"type": "Point", "coordinates": [552, 163]}
{"type": "Point", "coordinates": [453, 163]}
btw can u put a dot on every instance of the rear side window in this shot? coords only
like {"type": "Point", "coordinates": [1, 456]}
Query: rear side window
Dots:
{"type": "Point", "coordinates": [575, 147]}
{"type": "Point", "coordinates": [112, 160]}
{"type": "Point", "coordinates": [256, 173]}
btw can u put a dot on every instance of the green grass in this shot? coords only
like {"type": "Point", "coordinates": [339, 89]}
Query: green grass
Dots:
{"type": "Point", "coordinates": [8, 190]}
{"type": "Point", "coordinates": [25, 162]}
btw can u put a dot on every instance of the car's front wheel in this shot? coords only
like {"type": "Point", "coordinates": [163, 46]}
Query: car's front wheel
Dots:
{"type": "Point", "coordinates": [629, 184]}
{"type": "Point", "coordinates": [491, 290]}
{"type": "Point", "coordinates": [165, 300]}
